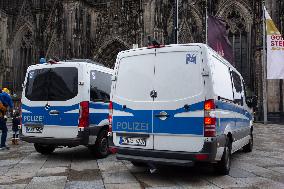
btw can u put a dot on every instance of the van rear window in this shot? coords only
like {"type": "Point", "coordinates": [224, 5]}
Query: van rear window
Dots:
{"type": "Point", "coordinates": [52, 84]}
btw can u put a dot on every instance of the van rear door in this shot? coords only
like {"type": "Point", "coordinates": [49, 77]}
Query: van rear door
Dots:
{"type": "Point", "coordinates": [50, 104]}
{"type": "Point", "coordinates": [132, 103]}
{"type": "Point", "coordinates": [178, 108]}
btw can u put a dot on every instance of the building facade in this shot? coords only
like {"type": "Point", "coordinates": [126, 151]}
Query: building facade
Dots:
{"type": "Point", "coordinates": [99, 29]}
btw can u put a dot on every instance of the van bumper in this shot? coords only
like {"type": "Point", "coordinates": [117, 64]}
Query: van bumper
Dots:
{"type": "Point", "coordinates": [51, 140]}
{"type": "Point", "coordinates": [207, 154]}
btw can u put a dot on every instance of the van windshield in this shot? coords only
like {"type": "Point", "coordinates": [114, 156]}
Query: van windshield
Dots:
{"type": "Point", "coordinates": [52, 84]}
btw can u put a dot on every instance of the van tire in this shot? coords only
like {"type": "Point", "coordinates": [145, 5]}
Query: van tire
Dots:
{"type": "Point", "coordinates": [248, 147]}
{"type": "Point", "coordinates": [100, 149]}
{"type": "Point", "coordinates": [223, 166]}
{"type": "Point", "coordinates": [44, 149]}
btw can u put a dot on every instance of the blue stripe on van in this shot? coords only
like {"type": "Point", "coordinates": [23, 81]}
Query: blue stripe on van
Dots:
{"type": "Point", "coordinates": [233, 107]}
{"type": "Point", "coordinates": [99, 105]}
{"type": "Point", "coordinates": [179, 125]}
{"type": "Point", "coordinates": [233, 124]}
{"type": "Point", "coordinates": [64, 119]}
{"type": "Point", "coordinates": [96, 118]}
{"type": "Point", "coordinates": [41, 115]}
{"type": "Point", "coordinates": [141, 121]}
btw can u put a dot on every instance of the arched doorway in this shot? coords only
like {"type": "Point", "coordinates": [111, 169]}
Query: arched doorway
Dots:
{"type": "Point", "coordinates": [23, 55]}
{"type": "Point", "coordinates": [108, 52]}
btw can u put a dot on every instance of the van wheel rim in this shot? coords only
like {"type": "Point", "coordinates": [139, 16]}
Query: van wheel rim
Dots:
{"type": "Point", "coordinates": [104, 145]}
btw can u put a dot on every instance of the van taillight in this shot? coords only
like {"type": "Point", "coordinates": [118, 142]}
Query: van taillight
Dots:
{"type": "Point", "coordinates": [110, 109]}
{"type": "Point", "coordinates": [209, 105]}
{"type": "Point", "coordinates": [209, 120]}
{"type": "Point", "coordinates": [84, 114]}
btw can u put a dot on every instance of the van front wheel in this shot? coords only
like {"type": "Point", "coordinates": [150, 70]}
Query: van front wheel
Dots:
{"type": "Point", "coordinates": [44, 149]}
{"type": "Point", "coordinates": [101, 147]}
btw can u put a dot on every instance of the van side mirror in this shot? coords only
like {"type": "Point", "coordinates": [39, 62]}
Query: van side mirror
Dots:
{"type": "Point", "coordinates": [113, 78]}
{"type": "Point", "coordinates": [251, 101]}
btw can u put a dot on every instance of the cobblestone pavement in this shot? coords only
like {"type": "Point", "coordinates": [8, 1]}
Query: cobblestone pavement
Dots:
{"type": "Point", "coordinates": [71, 168]}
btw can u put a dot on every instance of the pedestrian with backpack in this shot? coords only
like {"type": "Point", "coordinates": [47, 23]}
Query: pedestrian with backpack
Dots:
{"type": "Point", "coordinates": [5, 102]}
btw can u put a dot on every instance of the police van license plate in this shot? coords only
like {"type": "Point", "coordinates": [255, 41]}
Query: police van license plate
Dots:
{"type": "Point", "coordinates": [132, 141]}
{"type": "Point", "coordinates": [34, 129]}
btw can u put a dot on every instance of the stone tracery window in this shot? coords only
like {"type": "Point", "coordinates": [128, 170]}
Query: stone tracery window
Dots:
{"type": "Point", "coordinates": [239, 38]}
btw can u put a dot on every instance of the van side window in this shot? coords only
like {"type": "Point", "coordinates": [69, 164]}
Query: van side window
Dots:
{"type": "Point", "coordinates": [237, 88]}
{"type": "Point", "coordinates": [100, 86]}
{"type": "Point", "coordinates": [221, 79]}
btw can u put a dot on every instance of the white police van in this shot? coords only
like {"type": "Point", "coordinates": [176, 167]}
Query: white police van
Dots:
{"type": "Point", "coordinates": [66, 104]}
{"type": "Point", "coordinates": [179, 104]}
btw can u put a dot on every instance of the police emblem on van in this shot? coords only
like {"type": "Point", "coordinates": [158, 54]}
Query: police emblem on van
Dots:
{"type": "Point", "coordinates": [47, 106]}
{"type": "Point", "coordinates": [190, 58]}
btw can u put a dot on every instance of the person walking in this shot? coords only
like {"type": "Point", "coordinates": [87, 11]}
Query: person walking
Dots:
{"type": "Point", "coordinates": [15, 127]}
{"type": "Point", "coordinates": [5, 102]}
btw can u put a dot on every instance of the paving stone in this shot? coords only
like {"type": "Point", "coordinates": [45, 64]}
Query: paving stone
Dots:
{"type": "Point", "coordinates": [154, 180]}
{"type": "Point", "coordinates": [9, 162]}
{"type": "Point", "coordinates": [13, 186]}
{"type": "Point", "coordinates": [20, 172]}
{"type": "Point", "coordinates": [80, 165]}
{"type": "Point", "coordinates": [57, 161]}
{"type": "Point", "coordinates": [85, 175]}
{"type": "Point", "coordinates": [97, 184]}
{"type": "Point", "coordinates": [51, 171]}
{"type": "Point", "coordinates": [34, 158]}
{"type": "Point", "coordinates": [261, 182]}
{"type": "Point", "coordinates": [111, 165]}
{"type": "Point", "coordinates": [53, 182]}
{"type": "Point", "coordinates": [278, 169]}
{"type": "Point", "coordinates": [118, 177]}
{"type": "Point", "coordinates": [123, 186]}
{"type": "Point", "coordinates": [164, 187]}
{"type": "Point", "coordinates": [240, 173]}
{"type": "Point", "coordinates": [4, 170]}
{"type": "Point", "coordinates": [226, 182]}
{"type": "Point", "coordinates": [195, 183]}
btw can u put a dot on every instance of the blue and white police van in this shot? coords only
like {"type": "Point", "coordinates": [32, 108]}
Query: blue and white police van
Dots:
{"type": "Point", "coordinates": [66, 103]}
{"type": "Point", "coordinates": [179, 104]}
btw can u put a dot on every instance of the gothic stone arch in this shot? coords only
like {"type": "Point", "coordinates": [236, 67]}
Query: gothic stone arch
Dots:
{"type": "Point", "coordinates": [109, 50]}
{"type": "Point", "coordinates": [238, 16]}
{"type": "Point", "coordinates": [22, 48]}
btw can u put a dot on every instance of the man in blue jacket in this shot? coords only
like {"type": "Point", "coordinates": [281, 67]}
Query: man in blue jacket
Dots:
{"type": "Point", "coordinates": [5, 102]}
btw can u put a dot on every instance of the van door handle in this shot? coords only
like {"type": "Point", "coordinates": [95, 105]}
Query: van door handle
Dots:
{"type": "Point", "coordinates": [162, 115]}
{"type": "Point", "coordinates": [54, 112]}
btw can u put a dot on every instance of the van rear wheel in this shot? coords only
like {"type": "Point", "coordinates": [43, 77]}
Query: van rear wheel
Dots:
{"type": "Point", "coordinates": [223, 167]}
{"type": "Point", "coordinates": [248, 147]}
{"type": "Point", "coordinates": [100, 148]}
{"type": "Point", "coordinates": [44, 149]}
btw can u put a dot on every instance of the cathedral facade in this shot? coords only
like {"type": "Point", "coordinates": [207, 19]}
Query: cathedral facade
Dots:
{"type": "Point", "coordinates": [99, 29]}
